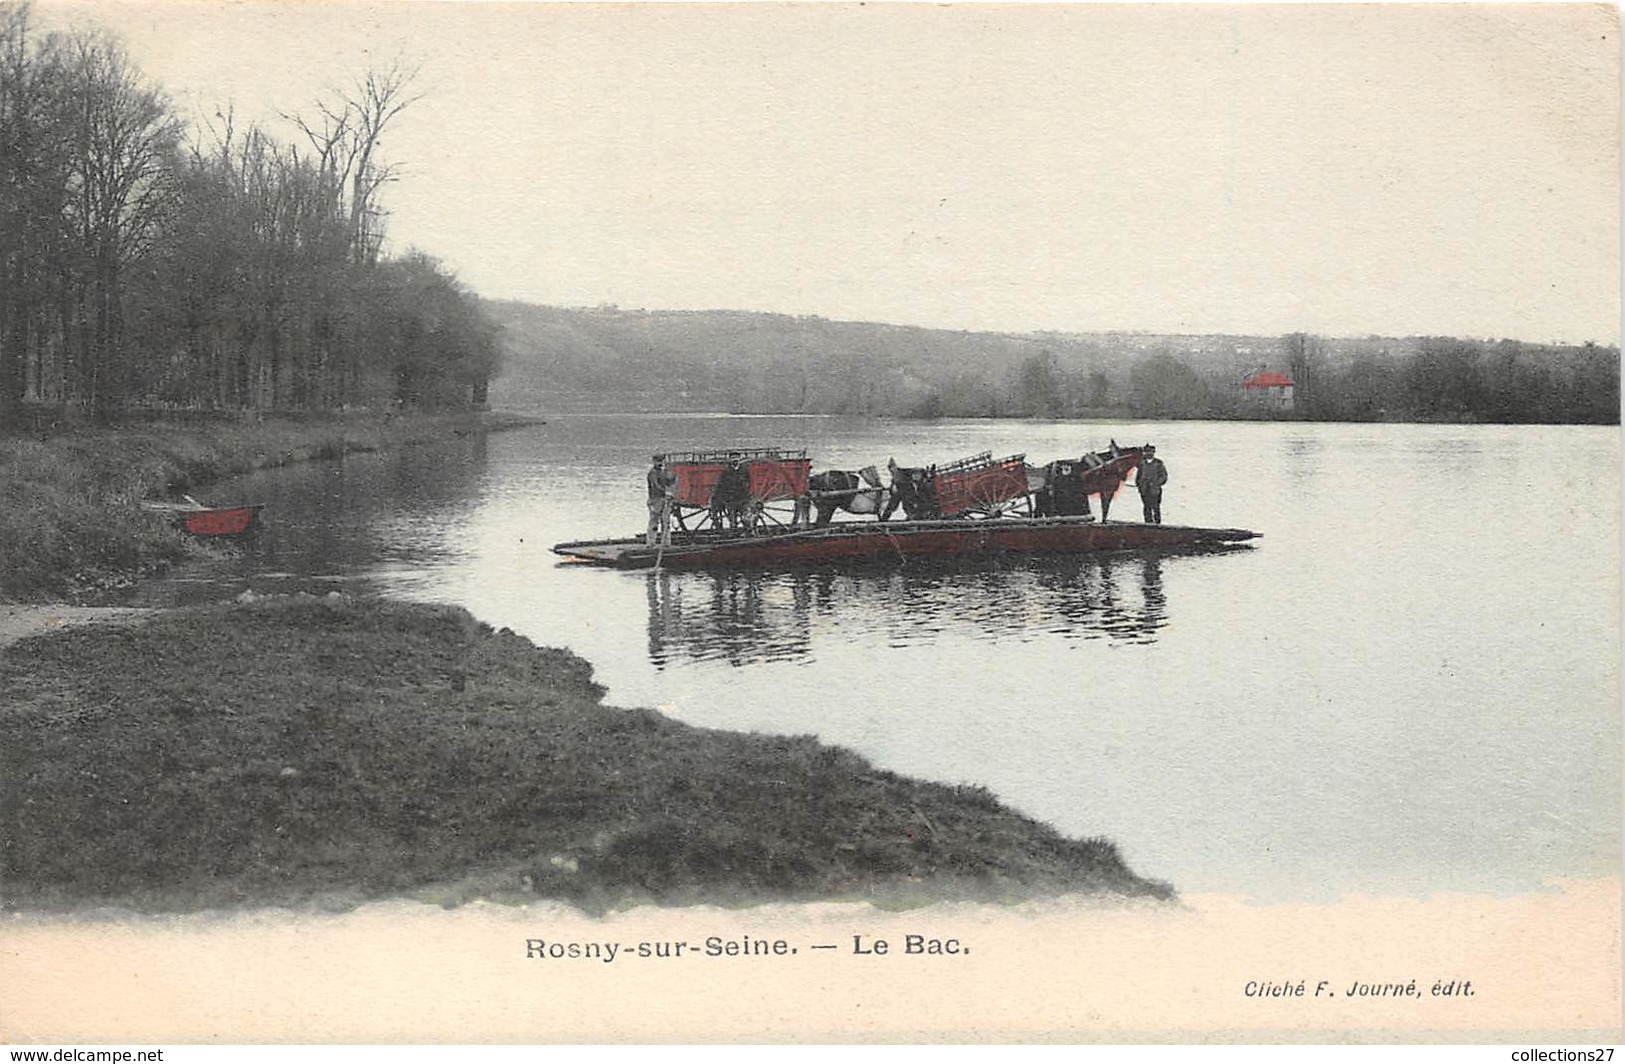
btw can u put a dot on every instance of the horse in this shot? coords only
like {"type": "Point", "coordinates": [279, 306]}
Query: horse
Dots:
{"type": "Point", "coordinates": [1057, 489]}
{"type": "Point", "coordinates": [857, 492]}
{"type": "Point", "coordinates": [913, 489]}
{"type": "Point", "coordinates": [1107, 471]}
{"type": "Point", "coordinates": [1067, 484]}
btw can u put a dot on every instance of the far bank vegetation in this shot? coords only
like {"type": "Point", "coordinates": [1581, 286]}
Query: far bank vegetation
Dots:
{"type": "Point", "coordinates": [612, 358]}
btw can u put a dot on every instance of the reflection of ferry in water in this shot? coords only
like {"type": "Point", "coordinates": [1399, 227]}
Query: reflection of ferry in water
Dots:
{"type": "Point", "coordinates": [756, 615]}
{"type": "Point", "coordinates": [738, 509]}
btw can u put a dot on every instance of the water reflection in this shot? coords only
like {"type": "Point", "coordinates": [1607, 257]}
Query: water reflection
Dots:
{"type": "Point", "coordinates": [1457, 454]}
{"type": "Point", "coordinates": [1301, 456]}
{"type": "Point", "coordinates": [750, 617]}
{"type": "Point", "coordinates": [337, 523]}
{"type": "Point", "coordinates": [735, 617]}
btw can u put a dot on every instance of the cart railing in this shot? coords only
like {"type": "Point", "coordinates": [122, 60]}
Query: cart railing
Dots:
{"type": "Point", "coordinates": [979, 484]}
{"type": "Point", "coordinates": [777, 487]}
{"type": "Point", "coordinates": [776, 475]}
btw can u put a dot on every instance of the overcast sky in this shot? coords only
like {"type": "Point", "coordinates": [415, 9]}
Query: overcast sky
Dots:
{"type": "Point", "coordinates": [1262, 169]}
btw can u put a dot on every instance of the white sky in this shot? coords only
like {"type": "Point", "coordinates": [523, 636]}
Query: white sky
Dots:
{"type": "Point", "coordinates": [1263, 169]}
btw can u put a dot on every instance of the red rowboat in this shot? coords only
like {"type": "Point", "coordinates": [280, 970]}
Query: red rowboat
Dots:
{"type": "Point", "coordinates": [199, 520]}
{"type": "Point", "coordinates": [225, 521]}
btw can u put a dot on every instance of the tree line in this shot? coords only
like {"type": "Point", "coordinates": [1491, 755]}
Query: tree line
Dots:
{"type": "Point", "coordinates": [1429, 378]}
{"type": "Point", "coordinates": [151, 262]}
{"type": "Point", "coordinates": [609, 358]}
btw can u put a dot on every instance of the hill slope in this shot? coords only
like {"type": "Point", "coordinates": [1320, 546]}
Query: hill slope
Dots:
{"type": "Point", "coordinates": [576, 359]}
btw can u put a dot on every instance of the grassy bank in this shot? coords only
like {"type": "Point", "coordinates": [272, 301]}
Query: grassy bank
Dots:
{"type": "Point", "coordinates": [71, 524]}
{"type": "Point", "coordinates": [326, 750]}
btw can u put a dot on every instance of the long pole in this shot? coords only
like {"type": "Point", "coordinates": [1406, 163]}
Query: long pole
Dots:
{"type": "Point", "coordinates": [664, 531]}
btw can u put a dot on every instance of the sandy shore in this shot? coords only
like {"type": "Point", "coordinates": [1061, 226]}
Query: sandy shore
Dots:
{"type": "Point", "coordinates": [19, 622]}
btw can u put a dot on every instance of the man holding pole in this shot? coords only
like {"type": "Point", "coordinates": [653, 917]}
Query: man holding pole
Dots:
{"type": "Point", "coordinates": [662, 486]}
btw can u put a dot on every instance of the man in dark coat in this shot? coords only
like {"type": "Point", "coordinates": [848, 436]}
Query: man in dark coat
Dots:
{"type": "Point", "coordinates": [731, 496]}
{"type": "Point", "coordinates": [1150, 479]}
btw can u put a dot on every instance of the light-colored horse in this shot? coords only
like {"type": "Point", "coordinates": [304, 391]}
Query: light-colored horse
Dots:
{"type": "Point", "coordinates": [858, 492]}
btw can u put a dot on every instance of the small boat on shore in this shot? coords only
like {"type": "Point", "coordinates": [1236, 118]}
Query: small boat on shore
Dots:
{"type": "Point", "coordinates": [199, 520]}
{"type": "Point", "coordinates": [891, 541]}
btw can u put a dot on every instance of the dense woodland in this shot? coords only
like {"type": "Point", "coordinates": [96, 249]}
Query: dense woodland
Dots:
{"type": "Point", "coordinates": [148, 262]}
{"type": "Point", "coordinates": [610, 358]}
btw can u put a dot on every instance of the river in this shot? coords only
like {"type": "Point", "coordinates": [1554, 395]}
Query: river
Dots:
{"type": "Point", "coordinates": [1409, 685]}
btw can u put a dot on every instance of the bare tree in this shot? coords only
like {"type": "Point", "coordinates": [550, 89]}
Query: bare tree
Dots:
{"type": "Point", "coordinates": [34, 169]}
{"type": "Point", "coordinates": [345, 142]}
{"type": "Point", "coordinates": [1303, 360]}
{"type": "Point", "coordinates": [121, 188]}
{"type": "Point", "coordinates": [376, 101]}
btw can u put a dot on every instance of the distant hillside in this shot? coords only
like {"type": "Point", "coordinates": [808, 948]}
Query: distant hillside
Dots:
{"type": "Point", "coordinates": [611, 359]}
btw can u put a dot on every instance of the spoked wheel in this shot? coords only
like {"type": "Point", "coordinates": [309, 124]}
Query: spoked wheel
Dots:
{"type": "Point", "coordinates": [770, 515]}
{"type": "Point", "coordinates": [692, 519]}
{"type": "Point", "coordinates": [986, 508]}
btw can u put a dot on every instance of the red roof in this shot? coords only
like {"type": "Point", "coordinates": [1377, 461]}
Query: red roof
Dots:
{"type": "Point", "coordinates": [1267, 380]}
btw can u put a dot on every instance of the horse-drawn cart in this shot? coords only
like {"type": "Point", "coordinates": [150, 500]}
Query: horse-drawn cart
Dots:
{"type": "Point", "coordinates": [749, 490]}
{"type": "Point", "coordinates": [978, 486]}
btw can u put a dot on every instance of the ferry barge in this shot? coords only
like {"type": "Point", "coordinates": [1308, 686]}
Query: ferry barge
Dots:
{"type": "Point", "coordinates": [883, 541]}
{"type": "Point", "coordinates": [755, 508]}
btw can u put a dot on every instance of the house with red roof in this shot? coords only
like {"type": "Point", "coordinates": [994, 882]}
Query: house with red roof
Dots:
{"type": "Point", "coordinates": [1268, 388]}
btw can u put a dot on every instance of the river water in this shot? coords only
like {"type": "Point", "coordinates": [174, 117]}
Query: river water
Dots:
{"type": "Point", "coordinates": [1409, 685]}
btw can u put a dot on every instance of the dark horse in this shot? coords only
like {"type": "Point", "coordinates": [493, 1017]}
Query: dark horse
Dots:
{"type": "Point", "coordinates": [1068, 483]}
{"type": "Point", "coordinates": [914, 490]}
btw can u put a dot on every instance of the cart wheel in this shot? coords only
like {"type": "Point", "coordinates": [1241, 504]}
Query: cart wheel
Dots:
{"type": "Point", "coordinates": [987, 508]}
{"type": "Point", "coordinates": [771, 514]}
{"type": "Point", "coordinates": [700, 515]}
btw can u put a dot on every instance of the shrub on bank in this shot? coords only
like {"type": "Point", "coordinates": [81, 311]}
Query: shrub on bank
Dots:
{"type": "Point", "coordinates": [71, 518]}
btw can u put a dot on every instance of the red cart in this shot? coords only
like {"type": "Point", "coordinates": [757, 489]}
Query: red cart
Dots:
{"type": "Point", "coordinates": [980, 486]}
{"type": "Point", "coordinates": [777, 482]}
